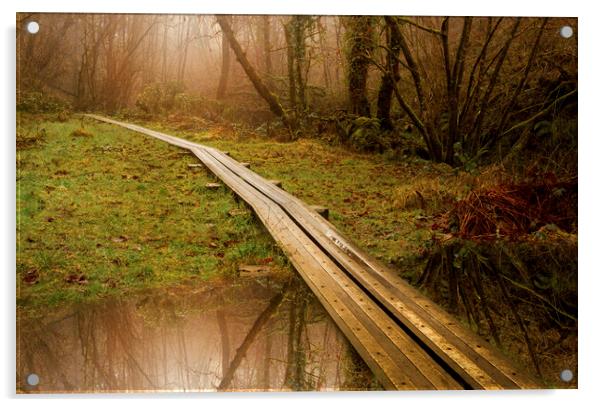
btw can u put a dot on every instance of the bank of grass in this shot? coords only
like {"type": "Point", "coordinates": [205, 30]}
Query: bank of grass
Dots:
{"type": "Point", "coordinates": [105, 210]}
{"type": "Point", "coordinates": [102, 210]}
{"type": "Point", "coordinates": [371, 197]}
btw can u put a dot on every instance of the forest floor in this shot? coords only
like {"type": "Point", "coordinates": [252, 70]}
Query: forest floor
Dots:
{"type": "Point", "coordinates": [104, 211]}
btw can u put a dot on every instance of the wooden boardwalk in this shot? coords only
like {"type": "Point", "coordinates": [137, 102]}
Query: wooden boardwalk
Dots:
{"type": "Point", "coordinates": [407, 340]}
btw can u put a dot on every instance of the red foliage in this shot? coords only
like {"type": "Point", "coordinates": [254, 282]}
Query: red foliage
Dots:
{"type": "Point", "coordinates": [511, 210]}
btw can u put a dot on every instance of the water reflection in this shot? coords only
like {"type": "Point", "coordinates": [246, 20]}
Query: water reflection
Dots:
{"type": "Point", "coordinates": [247, 335]}
{"type": "Point", "coordinates": [522, 296]}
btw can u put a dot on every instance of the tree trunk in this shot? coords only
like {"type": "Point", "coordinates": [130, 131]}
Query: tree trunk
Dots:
{"type": "Point", "coordinates": [225, 72]}
{"type": "Point", "coordinates": [184, 58]}
{"type": "Point", "coordinates": [164, 62]}
{"type": "Point", "coordinates": [360, 38]}
{"type": "Point", "coordinates": [290, 60]}
{"type": "Point", "coordinates": [264, 92]}
{"type": "Point", "coordinates": [299, 23]}
{"type": "Point", "coordinates": [454, 79]}
{"type": "Point", "coordinates": [267, 52]}
{"type": "Point", "coordinates": [385, 94]}
{"type": "Point", "coordinates": [326, 61]}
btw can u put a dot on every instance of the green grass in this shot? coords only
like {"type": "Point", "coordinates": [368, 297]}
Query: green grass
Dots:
{"type": "Point", "coordinates": [124, 211]}
{"type": "Point", "coordinates": [361, 190]}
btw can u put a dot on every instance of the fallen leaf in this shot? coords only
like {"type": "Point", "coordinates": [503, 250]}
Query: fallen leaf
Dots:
{"type": "Point", "coordinates": [237, 212]}
{"type": "Point", "coordinates": [111, 283]}
{"type": "Point", "coordinates": [31, 277]}
{"type": "Point", "coordinates": [76, 279]}
{"type": "Point", "coordinates": [266, 260]}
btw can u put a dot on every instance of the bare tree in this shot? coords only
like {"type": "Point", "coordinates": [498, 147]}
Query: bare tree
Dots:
{"type": "Point", "coordinates": [225, 70]}
{"type": "Point", "coordinates": [261, 88]}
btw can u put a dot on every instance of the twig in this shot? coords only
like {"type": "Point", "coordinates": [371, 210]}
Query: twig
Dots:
{"type": "Point", "coordinates": [538, 296]}
{"type": "Point", "coordinates": [520, 322]}
{"type": "Point", "coordinates": [541, 113]}
{"type": "Point", "coordinates": [420, 26]}
{"type": "Point", "coordinates": [521, 84]}
{"type": "Point", "coordinates": [492, 82]}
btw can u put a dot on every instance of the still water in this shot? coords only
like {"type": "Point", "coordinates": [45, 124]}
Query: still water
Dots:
{"type": "Point", "coordinates": [270, 334]}
{"type": "Point", "coordinates": [253, 334]}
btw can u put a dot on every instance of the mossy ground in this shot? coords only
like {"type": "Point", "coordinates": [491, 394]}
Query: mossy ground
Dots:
{"type": "Point", "coordinates": [116, 211]}
{"type": "Point", "coordinates": [368, 194]}
{"type": "Point", "coordinates": [103, 210]}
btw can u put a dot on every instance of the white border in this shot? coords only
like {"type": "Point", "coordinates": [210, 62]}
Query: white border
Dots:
{"type": "Point", "coordinates": [590, 150]}
{"type": "Point", "coordinates": [376, 7]}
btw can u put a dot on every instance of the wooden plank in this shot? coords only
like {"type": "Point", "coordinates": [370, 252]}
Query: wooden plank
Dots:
{"type": "Point", "coordinates": [247, 270]}
{"type": "Point", "coordinates": [213, 185]}
{"type": "Point", "coordinates": [321, 210]}
{"type": "Point", "coordinates": [315, 267]}
{"type": "Point", "coordinates": [470, 356]}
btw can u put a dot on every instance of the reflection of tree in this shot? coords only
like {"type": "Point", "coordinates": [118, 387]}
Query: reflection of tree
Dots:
{"type": "Point", "coordinates": [44, 351]}
{"type": "Point", "coordinates": [184, 341]}
{"type": "Point", "coordinates": [519, 294]}
{"type": "Point", "coordinates": [265, 382]}
{"type": "Point", "coordinates": [295, 369]}
{"type": "Point", "coordinates": [251, 335]}
{"type": "Point", "coordinates": [224, 338]}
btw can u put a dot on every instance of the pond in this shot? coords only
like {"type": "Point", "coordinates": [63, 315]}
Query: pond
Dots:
{"type": "Point", "coordinates": [251, 334]}
{"type": "Point", "coordinates": [520, 296]}
{"type": "Point", "coordinates": [271, 333]}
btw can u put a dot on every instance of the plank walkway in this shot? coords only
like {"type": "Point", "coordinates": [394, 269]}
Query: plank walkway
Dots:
{"type": "Point", "coordinates": [408, 341]}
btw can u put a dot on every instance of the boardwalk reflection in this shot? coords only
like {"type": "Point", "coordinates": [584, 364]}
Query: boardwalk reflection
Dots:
{"type": "Point", "coordinates": [250, 335]}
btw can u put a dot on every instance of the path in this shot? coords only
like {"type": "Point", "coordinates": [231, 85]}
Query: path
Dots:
{"type": "Point", "coordinates": [407, 340]}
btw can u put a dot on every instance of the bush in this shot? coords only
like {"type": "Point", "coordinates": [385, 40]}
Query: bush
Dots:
{"type": "Point", "coordinates": [27, 139]}
{"type": "Point", "coordinates": [366, 134]}
{"type": "Point", "coordinates": [158, 98]}
{"type": "Point", "coordinates": [38, 102]}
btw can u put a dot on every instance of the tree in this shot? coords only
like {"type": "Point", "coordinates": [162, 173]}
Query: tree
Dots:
{"type": "Point", "coordinates": [295, 31]}
{"type": "Point", "coordinates": [267, 47]}
{"type": "Point", "coordinates": [225, 70]}
{"type": "Point", "coordinates": [391, 77]}
{"type": "Point", "coordinates": [458, 125]}
{"type": "Point", "coordinates": [264, 92]}
{"type": "Point", "coordinates": [360, 45]}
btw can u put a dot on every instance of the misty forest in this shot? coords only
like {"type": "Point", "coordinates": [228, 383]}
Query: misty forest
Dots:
{"type": "Point", "coordinates": [180, 179]}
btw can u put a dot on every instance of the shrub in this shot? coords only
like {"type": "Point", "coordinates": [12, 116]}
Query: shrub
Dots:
{"type": "Point", "coordinates": [27, 139]}
{"type": "Point", "coordinates": [38, 102]}
{"type": "Point", "coordinates": [158, 98]}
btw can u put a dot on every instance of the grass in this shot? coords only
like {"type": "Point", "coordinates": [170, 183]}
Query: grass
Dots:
{"type": "Point", "coordinates": [365, 193]}
{"type": "Point", "coordinates": [114, 211]}
{"type": "Point", "coordinates": [102, 210]}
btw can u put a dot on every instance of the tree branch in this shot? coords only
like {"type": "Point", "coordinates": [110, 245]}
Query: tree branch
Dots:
{"type": "Point", "coordinates": [420, 26]}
